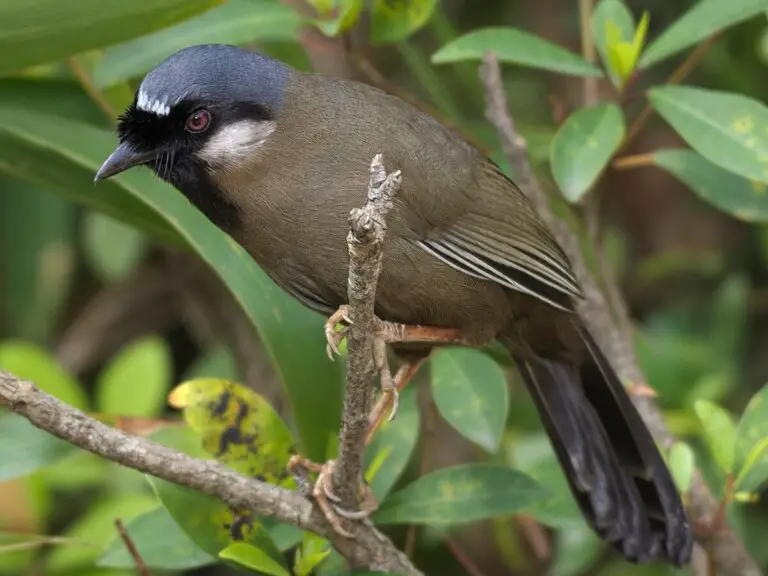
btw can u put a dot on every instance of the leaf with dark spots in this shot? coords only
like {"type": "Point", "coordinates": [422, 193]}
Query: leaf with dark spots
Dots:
{"type": "Point", "coordinates": [238, 427]}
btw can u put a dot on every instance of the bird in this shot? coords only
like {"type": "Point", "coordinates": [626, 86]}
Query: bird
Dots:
{"type": "Point", "coordinates": [277, 157]}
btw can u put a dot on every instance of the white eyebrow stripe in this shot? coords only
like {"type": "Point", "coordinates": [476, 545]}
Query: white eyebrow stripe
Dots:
{"type": "Point", "coordinates": [157, 106]}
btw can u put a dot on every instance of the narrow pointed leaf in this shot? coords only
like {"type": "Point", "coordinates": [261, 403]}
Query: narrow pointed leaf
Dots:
{"type": "Point", "coordinates": [751, 457]}
{"type": "Point", "coordinates": [719, 432]}
{"type": "Point", "coordinates": [470, 391]}
{"type": "Point", "coordinates": [234, 22]}
{"type": "Point", "coordinates": [704, 19]}
{"type": "Point", "coordinates": [608, 14]}
{"type": "Point", "coordinates": [63, 156]}
{"type": "Point", "coordinates": [741, 198]}
{"type": "Point", "coordinates": [38, 31]}
{"type": "Point", "coordinates": [583, 146]}
{"type": "Point", "coordinates": [460, 494]}
{"type": "Point", "coordinates": [516, 47]}
{"type": "Point", "coordinates": [160, 543]}
{"type": "Point", "coordinates": [728, 129]}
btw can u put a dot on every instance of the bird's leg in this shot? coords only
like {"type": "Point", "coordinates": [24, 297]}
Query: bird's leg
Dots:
{"type": "Point", "coordinates": [404, 375]}
{"type": "Point", "coordinates": [384, 333]}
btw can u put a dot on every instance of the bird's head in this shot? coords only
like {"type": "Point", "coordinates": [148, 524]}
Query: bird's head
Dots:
{"type": "Point", "coordinates": [205, 108]}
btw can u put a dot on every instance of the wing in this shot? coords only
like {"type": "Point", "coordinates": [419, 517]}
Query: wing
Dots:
{"type": "Point", "coordinates": [502, 239]}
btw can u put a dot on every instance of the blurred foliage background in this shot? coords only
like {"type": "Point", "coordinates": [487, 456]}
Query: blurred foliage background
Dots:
{"type": "Point", "coordinates": [110, 296]}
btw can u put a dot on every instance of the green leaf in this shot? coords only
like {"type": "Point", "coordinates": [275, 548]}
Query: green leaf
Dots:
{"type": "Point", "coordinates": [459, 495]}
{"type": "Point", "coordinates": [728, 129]}
{"type": "Point", "coordinates": [470, 391]}
{"type": "Point", "coordinates": [62, 98]}
{"type": "Point", "coordinates": [238, 426]}
{"type": "Point", "coordinates": [516, 47]}
{"type": "Point", "coordinates": [704, 19]}
{"type": "Point", "coordinates": [336, 16]}
{"type": "Point", "coordinates": [396, 20]}
{"type": "Point", "coordinates": [533, 455]}
{"type": "Point", "coordinates": [38, 258]}
{"type": "Point", "coordinates": [24, 448]}
{"type": "Point", "coordinates": [744, 199]}
{"type": "Point", "coordinates": [97, 526]}
{"type": "Point", "coordinates": [392, 446]}
{"type": "Point", "coordinates": [751, 453]}
{"type": "Point", "coordinates": [575, 551]}
{"type": "Point", "coordinates": [682, 464]}
{"type": "Point", "coordinates": [136, 381]}
{"type": "Point", "coordinates": [112, 248]}
{"type": "Point", "coordinates": [38, 31]}
{"type": "Point", "coordinates": [30, 362]}
{"type": "Point", "coordinates": [254, 559]}
{"type": "Point", "coordinates": [313, 551]}
{"type": "Point", "coordinates": [730, 311]}
{"type": "Point", "coordinates": [216, 362]}
{"type": "Point", "coordinates": [210, 523]}
{"type": "Point", "coordinates": [159, 541]}
{"type": "Point", "coordinates": [719, 432]}
{"type": "Point", "coordinates": [64, 156]}
{"type": "Point", "coordinates": [612, 23]}
{"type": "Point", "coordinates": [583, 146]}
{"type": "Point", "coordinates": [234, 22]}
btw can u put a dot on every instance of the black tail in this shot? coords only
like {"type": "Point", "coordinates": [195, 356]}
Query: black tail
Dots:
{"type": "Point", "coordinates": [615, 471]}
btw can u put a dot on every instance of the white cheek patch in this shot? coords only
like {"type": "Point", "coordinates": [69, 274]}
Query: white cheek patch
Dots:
{"type": "Point", "coordinates": [236, 144]}
{"type": "Point", "coordinates": [154, 105]}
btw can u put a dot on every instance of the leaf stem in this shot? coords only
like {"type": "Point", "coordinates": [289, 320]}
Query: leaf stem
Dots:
{"type": "Point", "coordinates": [90, 88]}
{"type": "Point", "coordinates": [633, 161]}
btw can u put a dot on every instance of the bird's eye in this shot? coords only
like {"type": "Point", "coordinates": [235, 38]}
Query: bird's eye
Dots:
{"type": "Point", "coordinates": [198, 121]}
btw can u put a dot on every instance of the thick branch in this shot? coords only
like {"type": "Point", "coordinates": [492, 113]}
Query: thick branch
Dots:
{"type": "Point", "coordinates": [370, 548]}
{"type": "Point", "coordinates": [729, 555]}
{"type": "Point", "coordinates": [365, 240]}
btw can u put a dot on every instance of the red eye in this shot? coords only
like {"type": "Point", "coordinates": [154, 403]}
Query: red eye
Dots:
{"type": "Point", "coordinates": [198, 121]}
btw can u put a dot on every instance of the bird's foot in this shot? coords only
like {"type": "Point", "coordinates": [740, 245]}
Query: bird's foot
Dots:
{"type": "Point", "coordinates": [322, 493]}
{"type": "Point", "coordinates": [335, 334]}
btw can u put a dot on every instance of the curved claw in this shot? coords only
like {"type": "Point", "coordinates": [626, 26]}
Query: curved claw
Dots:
{"type": "Point", "coordinates": [395, 404]}
{"type": "Point", "coordinates": [334, 336]}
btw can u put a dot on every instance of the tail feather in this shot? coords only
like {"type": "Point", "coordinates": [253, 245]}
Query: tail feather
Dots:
{"type": "Point", "coordinates": [614, 469]}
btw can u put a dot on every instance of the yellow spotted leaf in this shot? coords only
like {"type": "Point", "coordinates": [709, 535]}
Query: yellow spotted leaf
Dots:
{"type": "Point", "coordinates": [238, 426]}
{"type": "Point", "coordinates": [751, 457]}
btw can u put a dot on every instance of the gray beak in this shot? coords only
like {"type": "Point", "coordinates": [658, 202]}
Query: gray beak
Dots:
{"type": "Point", "coordinates": [123, 158]}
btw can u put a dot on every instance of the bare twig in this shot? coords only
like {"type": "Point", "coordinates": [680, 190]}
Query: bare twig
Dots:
{"type": "Point", "coordinates": [466, 562]}
{"type": "Point", "coordinates": [590, 94]}
{"type": "Point", "coordinates": [365, 241]}
{"type": "Point", "coordinates": [141, 568]}
{"type": "Point", "coordinates": [728, 553]}
{"type": "Point", "coordinates": [370, 549]}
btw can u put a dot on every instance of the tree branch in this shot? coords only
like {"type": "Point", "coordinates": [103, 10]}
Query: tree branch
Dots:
{"type": "Point", "coordinates": [728, 553]}
{"type": "Point", "coordinates": [370, 548]}
{"type": "Point", "coordinates": [365, 241]}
